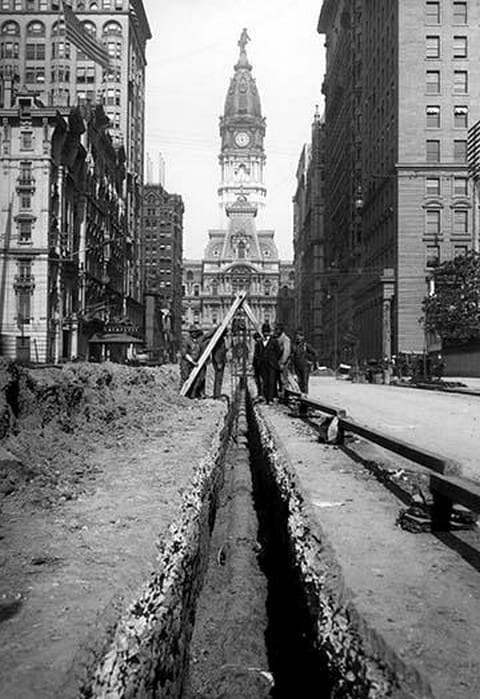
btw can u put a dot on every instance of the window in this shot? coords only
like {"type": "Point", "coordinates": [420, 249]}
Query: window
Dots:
{"type": "Point", "coordinates": [432, 222]}
{"type": "Point", "coordinates": [113, 100]}
{"type": "Point", "coordinates": [85, 74]}
{"type": "Point", "coordinates": [460, 81]}
{"type": "Point", "coordinates": [433, 151]}
{"type": "Point", "coordinates": [61, 49]}
{"type": "Point", "coordinates": [432, 256]}
{"type": "Point", "coordinates": [35, 52]}
{"type": "Point", "coordinates": [90, 27]}
{"type": "Point", "coordinates": [25, 200]}
{"type": "Point", "coordinates": [35, 75]}
{"type": "Point", "coordinates": [433, 117]}
{"type": "Point", "coordinates": [113, 75]}
{"type": "Point", "coordinates": [23, 306]}
{"type": "Point", "coordinates": [196, 290]}
{"type": "Point", "coordinates": [112, 28]}
{"type": "Point", "coordinates": [460, 221]}
{"type": "Point", "coordinates": [24, 231]}
{"type": "Point", "coordinates": [119, 4]}
{"type": "Point", "coordinates": [36, 29]}
{"type": "Point", "coordinates": [460, 12]}
{"type": "Point", "coordinates": [9, 49]}
{"type": "Point", "coordinates": [432, 186]}
{"type": "Point", "coordinates": [460, 49]}
{"type": "Point", "coordinates": [26, 140]}
{"type": "Point", "coordinates": [58, 28]}
{"type": "Point", "coordinates": [432, 12]}
{"type": "Point", "coordinates": [460, 250]}
{"type": "Point", "coordinates": [26, 173]}
{"type": "Point", "coordinates": [460, 117]}
{"type": "Point", "coordinates": [432, 48]}
{"type": "Point", "coordinates": [114, 49]}
{"type": "Point", "coordinates": [460, 186]}
{"type": "Point", "coordinates": [5, 5]}
{"type": "Point", "coordinates": [460, 151]}
{"type": "Point", "coordinates": [11, 28]}
{"type": "Point", "coordinates": [433, 82]}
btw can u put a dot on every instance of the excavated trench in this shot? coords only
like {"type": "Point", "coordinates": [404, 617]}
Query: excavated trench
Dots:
{"type": "Point", "coordinates": [248, 600]}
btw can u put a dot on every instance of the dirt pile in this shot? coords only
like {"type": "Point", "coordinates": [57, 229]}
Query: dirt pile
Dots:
{"type": "Point", "coordinates": [51, 420]}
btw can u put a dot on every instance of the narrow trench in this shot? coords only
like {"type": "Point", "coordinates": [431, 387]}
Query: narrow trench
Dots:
{"type": "Point", "coordinates": [295, 659]}
{"type": "Point", "coordinates": [252, 613]}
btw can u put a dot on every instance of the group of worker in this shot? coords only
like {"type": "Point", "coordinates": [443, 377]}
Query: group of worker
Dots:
{"type": "Point", "coordinates": [274, 356]}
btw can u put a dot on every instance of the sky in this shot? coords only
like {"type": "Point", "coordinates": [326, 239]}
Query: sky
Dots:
{"type": "Point", "coordinates": [190, 61]}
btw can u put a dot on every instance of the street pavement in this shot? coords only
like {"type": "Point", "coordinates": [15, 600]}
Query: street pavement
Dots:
{"type": "Point", "coordinates": [445, 423]}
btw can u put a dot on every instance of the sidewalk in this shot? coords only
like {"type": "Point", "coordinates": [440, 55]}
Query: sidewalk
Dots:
{"type": "Point", "coordinates": [420, 597]}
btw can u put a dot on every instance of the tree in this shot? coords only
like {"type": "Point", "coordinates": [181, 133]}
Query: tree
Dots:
{"type": "Point", "coordinates": [453, 310]}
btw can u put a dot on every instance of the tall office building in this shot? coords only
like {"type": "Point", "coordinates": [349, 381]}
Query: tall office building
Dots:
{"type": "Point", "coordinates": [34, 53]}
{"type": "Point", "coordinates": [162, 233]}
{"type": "Point", "coordinates": [402, 86]}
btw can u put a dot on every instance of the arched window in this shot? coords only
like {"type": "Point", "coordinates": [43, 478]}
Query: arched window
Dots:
{"type": "Point", "coordinates": [112, 28]}
{"type": "Point", "coordinates": [90, 27]}
{"type": "Point", "coordinates": [58, 28]}
{"type": "Point", "coordinates": [36, 29]}
{"type": "Point", "coordinates": [241, 250]}
{"type": "Point", "coordinates": [93, 6]}
{"type": "Point", "coordinates": [190, 276]}
{"type": "Point", "coordinates": [80, 5]}
{"type": "Point", "coordinates": [11, 28]}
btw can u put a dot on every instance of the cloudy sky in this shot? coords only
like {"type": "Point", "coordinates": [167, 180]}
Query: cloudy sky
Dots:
{"type": "Point", "coordinates": [190, 63]}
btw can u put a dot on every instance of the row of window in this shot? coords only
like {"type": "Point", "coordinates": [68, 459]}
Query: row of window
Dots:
{"type": "Point", "coordinates": [55, 5]}
{"type": "Point", "coordinates": [38, 29]}
{"type": "Point", "coordinates": [432, 47]}
{"type": "Point", "coordinates": [433, 116]}
{"type": "Point", "coordinates": [433, 222]}
{"type": "Point", "coordinates": [432, 254]}
{"type": "Point", "coordinates": [433, 82]}
{"type": "Point", "coordinates": [433, 151]}
{"type": "Point", "coordinates": [59, 49]}
{"type": "Point", "coordinates": [433, 12]}
{"type": "Point", "coordinates": [433, 187]}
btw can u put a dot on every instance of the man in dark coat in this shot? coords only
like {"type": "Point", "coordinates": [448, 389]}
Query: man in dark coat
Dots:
{"type": "Point", "coordinates": [256, 362]}
{"type": "Point", "coordinates": [191, 351]}
{"type": "Point", "coordinates": [303, 358]}
{"type": "Point", "coordinates": [269, 363]}
{"type": "Point", "coordinates": [219, 359]}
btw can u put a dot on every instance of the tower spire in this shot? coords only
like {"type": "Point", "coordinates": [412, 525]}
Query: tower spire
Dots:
{"type": "Point", "coordinates": [242, 59]}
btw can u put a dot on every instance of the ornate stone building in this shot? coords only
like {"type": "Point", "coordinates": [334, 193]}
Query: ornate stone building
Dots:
{"type": "Point", "coordinates": [239, 256]}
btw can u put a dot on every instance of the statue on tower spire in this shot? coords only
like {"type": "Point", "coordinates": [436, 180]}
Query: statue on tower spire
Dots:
{"type": "Point", "coordinates": [244, 39]}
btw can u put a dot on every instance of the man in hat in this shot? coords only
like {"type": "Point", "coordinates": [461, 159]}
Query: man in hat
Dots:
{"type": "Point", "coordinates": [269, 363]}
{"type": "Point", "coordinates": [303, 358]}
{"type": "Point", "coordinates": [219, 359]}
{"type": "Point", "coordinates": [285, 346]}
{"type": "Point", "coordinates": [190, 353]}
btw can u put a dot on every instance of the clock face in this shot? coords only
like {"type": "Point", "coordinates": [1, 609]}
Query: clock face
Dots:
{"type": "Point", "coordinates": [242, 139]}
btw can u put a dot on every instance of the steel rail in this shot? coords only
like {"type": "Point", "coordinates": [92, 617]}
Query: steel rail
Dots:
{"type": "Point", "coordinates": [446, 484]}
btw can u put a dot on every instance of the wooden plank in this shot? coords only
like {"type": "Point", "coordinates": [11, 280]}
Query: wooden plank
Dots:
{"type": "Point", "coordinates": [408, 451]}
{"type": "Point", "coordinates": [459, 490]}
{"type": "Point", "coordinates": [239, 300]}
{"type": "Point", "coordinates": [251, 316]}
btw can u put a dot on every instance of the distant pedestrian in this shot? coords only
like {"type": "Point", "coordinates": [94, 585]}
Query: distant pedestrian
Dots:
{"type": "Point", "coordinates": [303, 358]}
{"type": "Point", "coordinates": [286, 348]}
{"type": "Point", "coordinates": [256, 362]}
{"type": "Point", "coordinates": [219, 359]}
{"type": "Point", "coordinates": [269, 363]}
{"type": "Point", "coordinates": [190, 353]}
